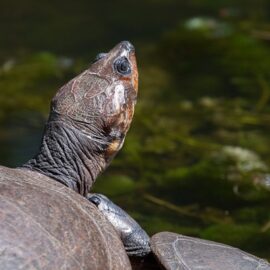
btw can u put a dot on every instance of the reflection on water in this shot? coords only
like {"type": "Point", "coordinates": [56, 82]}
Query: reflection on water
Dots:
{"type": "Point", "coordinates": [196, 160]}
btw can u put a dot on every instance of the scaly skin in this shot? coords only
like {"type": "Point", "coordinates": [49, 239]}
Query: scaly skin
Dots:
{"type": "Point", "coordinates": [89, 119]}
{"type": "Point", "coordinates": [135, 239]}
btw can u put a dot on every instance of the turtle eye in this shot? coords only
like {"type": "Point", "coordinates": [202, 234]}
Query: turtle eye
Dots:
{"type": "Point", "coordinates": [99, 56]}
{"type": "Point", "coordinates": [122, 66]}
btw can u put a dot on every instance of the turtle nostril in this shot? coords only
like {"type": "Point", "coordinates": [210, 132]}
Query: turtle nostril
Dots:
{"type": "Point", "coordinates": [99, 56]}
{"type": "Point", "coordinates": [128, 46]}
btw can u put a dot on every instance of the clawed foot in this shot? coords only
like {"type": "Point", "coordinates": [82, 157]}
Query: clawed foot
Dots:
{"type": "Point", "coordinates": [135, 239]}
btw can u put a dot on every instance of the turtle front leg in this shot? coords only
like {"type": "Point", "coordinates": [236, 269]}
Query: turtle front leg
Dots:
{"type": "Point", "coordinates": [135, 239]}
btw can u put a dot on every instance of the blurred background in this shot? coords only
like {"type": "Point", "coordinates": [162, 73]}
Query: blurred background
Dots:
{"type": "Point", "coordinates": [197, 159]}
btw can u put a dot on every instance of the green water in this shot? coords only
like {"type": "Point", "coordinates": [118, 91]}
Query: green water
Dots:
{"type": "Point", "coordinates": [196, 160]}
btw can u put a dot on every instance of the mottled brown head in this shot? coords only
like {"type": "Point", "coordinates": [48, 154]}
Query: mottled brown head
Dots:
{"type": "Point", "coordinates": [102, 98]}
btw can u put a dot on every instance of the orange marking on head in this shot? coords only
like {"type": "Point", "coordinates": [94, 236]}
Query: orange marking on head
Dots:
{"type": "Point", "coordinates": [135, 72]}
{"type": "Point", "coordinates": [113, 147]}
{"type": "Point", "coordinates": [125, 79]}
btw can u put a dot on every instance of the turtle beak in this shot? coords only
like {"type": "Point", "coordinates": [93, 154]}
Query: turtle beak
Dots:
{"type": "Point", "coordinates": [127, 46]}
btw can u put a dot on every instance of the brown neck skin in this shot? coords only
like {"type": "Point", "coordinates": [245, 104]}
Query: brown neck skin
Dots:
{"type": "Point", "coordinates": [70, 156]}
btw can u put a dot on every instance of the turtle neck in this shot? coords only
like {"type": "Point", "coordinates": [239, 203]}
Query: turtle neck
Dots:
{"type": "Point", "coordinates": [89, 119]}
{"type": "Point", "coordinates": [70, 156]}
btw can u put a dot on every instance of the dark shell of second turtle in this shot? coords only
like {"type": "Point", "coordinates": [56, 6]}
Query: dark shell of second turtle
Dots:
{"type": "Point", "coordinates": [179, 252]}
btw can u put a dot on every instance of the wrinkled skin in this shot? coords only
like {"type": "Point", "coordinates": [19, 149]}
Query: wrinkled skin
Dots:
{"type": "Point", "coordinates": [89, 119]}
{"type": "Point", "coordinates": [101, 100]}
{"type": "Point", "coordinates": [45, 222]}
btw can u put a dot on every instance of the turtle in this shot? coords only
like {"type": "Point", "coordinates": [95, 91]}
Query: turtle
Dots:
{"type": "Point", "coordinates": [173, 251]}
{"type": "Point", "coordinates": [46, 220]}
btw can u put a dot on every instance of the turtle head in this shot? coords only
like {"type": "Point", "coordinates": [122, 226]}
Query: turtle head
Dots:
{"type": "Point", "coordinates": [101, 100]}
{"type": "Point", "coordinates": [89, 119]}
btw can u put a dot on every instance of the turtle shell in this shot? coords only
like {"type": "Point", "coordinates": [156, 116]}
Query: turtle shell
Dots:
{"type": "Point", "coordinates": [175, 251]}
{"type": "Point", "coordinates": [45, 225]}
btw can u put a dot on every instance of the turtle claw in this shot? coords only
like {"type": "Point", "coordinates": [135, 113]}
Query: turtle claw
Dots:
{"type": "Point", "coordinates": [138, 251]}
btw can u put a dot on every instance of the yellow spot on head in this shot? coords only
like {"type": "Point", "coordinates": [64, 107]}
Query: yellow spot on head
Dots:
{"type": "Point", "coordinates": [113, 147]}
